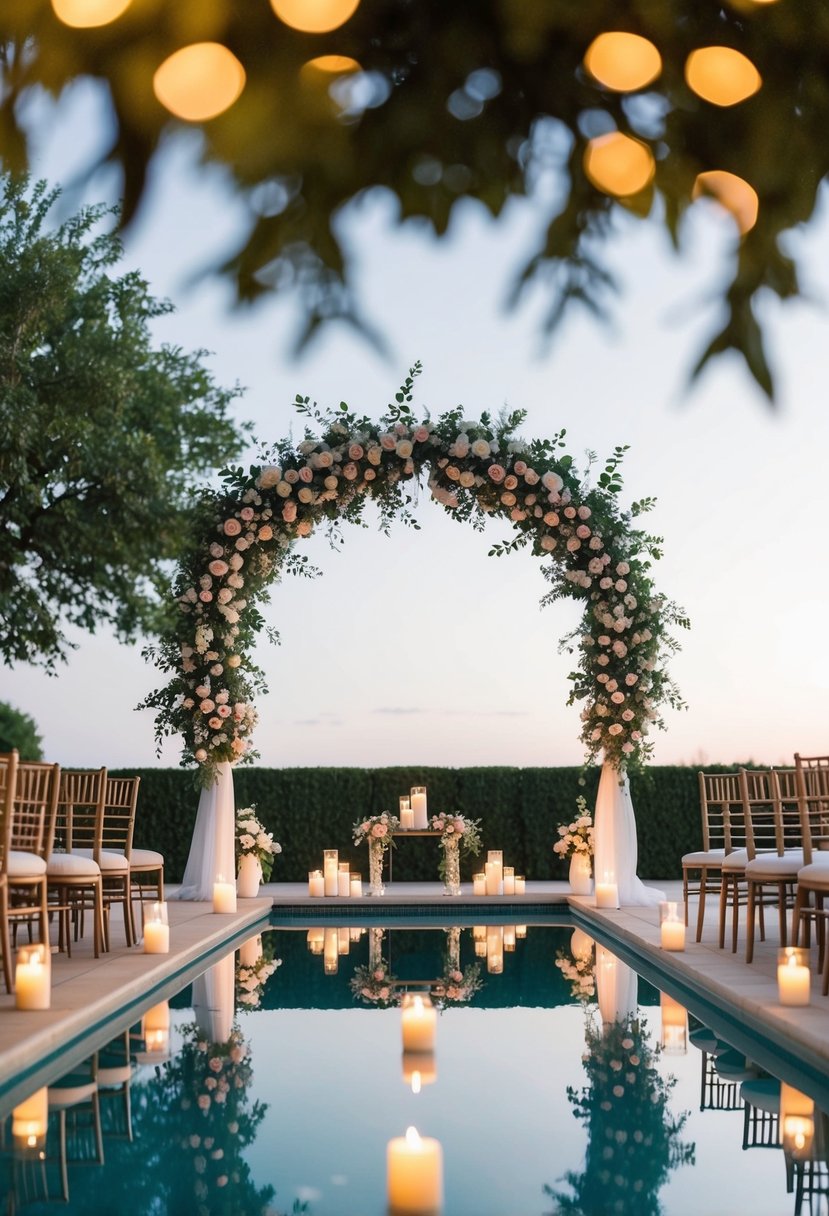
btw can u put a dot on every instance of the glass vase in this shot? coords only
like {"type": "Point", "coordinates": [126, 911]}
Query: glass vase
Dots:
{"type": "Point", "coordinates": [451, 867]}
{"type": "Point", "coordinates": [375, 868]}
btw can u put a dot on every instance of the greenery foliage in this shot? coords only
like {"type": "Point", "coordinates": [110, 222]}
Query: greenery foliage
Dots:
{"type": "Point", "coordinates": [102, 433]}
{"type": "Point", "coordinates": [311, 809]}
{"type": "Point", "coordinates": [478, 99]}
{"type": "Point", "coordinates": [19, 730]}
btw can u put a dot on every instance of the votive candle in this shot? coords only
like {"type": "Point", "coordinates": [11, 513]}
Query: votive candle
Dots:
{"type": "Point", "coordinates": [224, 896]}
{"type": "Point", "coordinates": [418, 803]}
{"type": "Point", "coordinates": [316, 884]}
{"type": "Point", "coordinates": [355, 885]}
{"type": "Point", "coordinates": [157, 931]}
{"type": "Point", "coordinates": [607, 893]}
{"type": "Point", "coordinates": [344, 879]}
{"type": "Point", "coordinates": [520, 884]}
{"type": "Point", "coordinates": [793, 978]}
{"type": "Point", "coordinates": [414, 1175]}
{"type": "Point", "coordinates": [672, 933]}
{"type": "Point", "coordinates": [479, 884]}
{"type": "Point", "coordinates": [33, 978]}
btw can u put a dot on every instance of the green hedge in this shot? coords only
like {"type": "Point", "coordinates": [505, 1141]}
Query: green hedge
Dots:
{"type": "Point", "coordinates": [309, 809]}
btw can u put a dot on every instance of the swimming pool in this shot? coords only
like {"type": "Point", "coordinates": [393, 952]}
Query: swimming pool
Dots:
{"type": "Point", "coordinates": [549, 1088]}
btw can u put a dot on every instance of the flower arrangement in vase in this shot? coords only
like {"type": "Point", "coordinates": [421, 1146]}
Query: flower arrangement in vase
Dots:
{"type": "Point", "coordinates": [374, 984]}
{"type": "Point", "coordinates": [456, 833]}
{"type": "Point", "coordinates": [253, 975]}
{"type": "Point", "coordinates": [576, 842]}
{"type": "Point", "coordinates": [379, 831]}
{"type": "Point", "coordinates": [255, 851]}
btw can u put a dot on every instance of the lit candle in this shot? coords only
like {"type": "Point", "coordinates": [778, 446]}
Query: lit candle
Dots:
{"type": "Point", "coordinates": [520, 931]}
{"type": "Point", "coordinates": [355, 934]}
{"type": "Point", "coordinates": [509, 880]}
{"type": "Point", "coordinates": [224, 896]}
{"type": "Point", "coordinates": [480, 949]}
{"type": "Point", "coordinates": [520, 884]}
{"type": "Point", "coordinates": [355, 885]}
{"type": "Point", "coordinates": [343, 940]}
{"type": "Point", "coordinates": [316, 884]}
{"type": "Point", "coordinates": [418, 802]}
{"type": "Point", "coordinates": [419, 1069]}
{"type": "Point", "coordinates": [495, 858]}
{"type": "Point", "coordinates": [157, 930]}
{"type": "Point", "coordinates": [674, 1025]}
{"type": "Point", "coordinates": [330, 870]}
{"type": "Point", "coordinates": [673, 934]}
{"type": "Point", "coordinates": [406, 814]}
{"type": "Point", "coordinates": [509, 938]}
{"type": "Point", "coordinates": [414, 1175]}
{"type": "Point", "coordinates": [29, 1121]}
{"type": "Point", "coordinates": [797, 1121]}
{"type": "Point", "coordinates": [331, 950]}
{"type": "Point", "coordinates": [493, 879]}
{"type": "Point", "coordinates": [155, 1029]}
{"type": "Point", "coordinates": [479, 884]}
{"type": "Point", "coordinates": [344, 879]}
{"type": "Point", "coordinates": [419, 1022]}
{"type": "Point", "coordinates": [33, 978]}
{"type": "Point", "coordinates": [607, 893]}
{"type": "Point", "coordinates": [495, 949]}
{"type": "Point", "coordinates": [793, 979]}
{"type": "Point", "coordinates": [315, 939]}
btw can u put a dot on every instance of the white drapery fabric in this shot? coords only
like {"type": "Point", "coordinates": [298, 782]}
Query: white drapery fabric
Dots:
{"type": "Point", "coordinates": [614, 847]}
{"type": "Point", "coordinates": [617, 988]}
{"type": "Point", "coordinates": [213, 847]}
{"type": "Point", "coordinates": [213, 999]}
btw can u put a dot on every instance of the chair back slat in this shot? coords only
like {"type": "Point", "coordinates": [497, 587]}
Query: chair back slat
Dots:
{"type": "Point", "coordinates": [80, 811]}
{"type": "Point", "coordinates": [120, 801]}
{"type": "Point", "coordinates": [35, 803]}
{"type": "Point", "coordinates": [813, 796]}
{"type": "Point", "coordinates": [8, 784]}
{"type": "Point", "coordinates": [787, 806]}
{"type": "Point", "coordinates": [721, 805]}
{"type": "Point", "coordinates": [763, 833]}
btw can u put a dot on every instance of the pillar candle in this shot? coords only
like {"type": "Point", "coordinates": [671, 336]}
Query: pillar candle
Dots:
{"type": "Point", "coordinates": [316, 884]}
{"type": "Point", "coordinates": [496, 858]}
{"type": "Point", "coordinates": [407, 819]}
{"type": "Point", "coordinates": [414, 1175]}
{"type": "Point", "coordinates": [418, 801]}
{"type": "Point", "coordinates": [607, 895]}
{"type": "Point", "coordinates": [29, 1121]}
{"type": "Point", "coordinates": [493, 878]}
{"type": "Point", "coordinates": [419, 1022]}
{"type": "Point", "coordinates": [33, 978]}
{"type": "Point", "coordinates": [155, 1029]}
{"type": "Point", "coordinates": [355, 885]}
{"type": "Point", "coordinates": [330, 870]}
{"type": "Point", "coordinates": [224, 896]}
{"type": "Point", "coordinates": [315, 939]}
{"type": "Point", "coordinates": [344, 879]}
{"type": "Point", "coordinates": [495, 949]}
{"type": "Point", "coordinates": [479, 884]}
{"type": "Point", "coordinates": [673, 935]}
{"type": "Point", "coordinates": [331, 950]}
{"type": "Point", "coordinates": [156, 937]}
{"type": "Point", "coordinates": [520, 884]}
{"type": "Point", "coordinates": [509, 938]}
{"type": "Point", "coordinates": [419, 1069]}
{"type": "Point", "coordinates": [793, 980]}
{"type": "Point", "coordinates": [343, 941]}
{"type": "Point", "coordinates": [509, 880]}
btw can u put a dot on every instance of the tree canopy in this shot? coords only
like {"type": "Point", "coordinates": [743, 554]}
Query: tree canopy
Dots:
{"type": "Point", "coordinates": [102, 434]}
{"type": "Point", "coordinates": [440, 102]}
{"type": "Point", "coordinates": [19, 730]}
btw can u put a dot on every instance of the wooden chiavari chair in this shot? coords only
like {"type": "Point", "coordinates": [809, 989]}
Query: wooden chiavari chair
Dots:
{"type": "Point", "coordinates": [702, 870]}
{"type": "Point", "coordinates": [8, 782]}
{"type": "Point", "coordinates": [813, 877]}
{"type": "Point", "coordinates": [777, 869]}
{"type": "Point", "coordinates": [74, 878]}
{"type": "Point", "coordinates": [33, 813]}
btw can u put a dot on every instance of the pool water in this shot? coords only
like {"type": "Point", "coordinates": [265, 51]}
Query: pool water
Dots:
{"type": "Point", "coordinates": [560, 1082]}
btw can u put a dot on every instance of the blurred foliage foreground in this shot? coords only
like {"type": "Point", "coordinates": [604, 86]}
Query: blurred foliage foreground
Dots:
{"type": "Point", "coordinates": [483, 99]}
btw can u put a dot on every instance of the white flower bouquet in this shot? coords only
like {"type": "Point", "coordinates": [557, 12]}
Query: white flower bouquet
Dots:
{"type": "Point", "coordinates": [577, 836]}
{"type": "Point", "coordinates": [376, 828]}
{"type": "Point", "coordinates": [252, 839]}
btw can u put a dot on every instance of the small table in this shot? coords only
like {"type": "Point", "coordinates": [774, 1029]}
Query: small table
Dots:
{"type": "Point", "coordinates": [411, 832]}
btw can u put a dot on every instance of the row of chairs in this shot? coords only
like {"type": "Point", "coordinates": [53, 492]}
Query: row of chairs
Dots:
{"type": "Point", "coordinates": [66, 849]}
{"type": "Point", "coordinates": [765, 838]}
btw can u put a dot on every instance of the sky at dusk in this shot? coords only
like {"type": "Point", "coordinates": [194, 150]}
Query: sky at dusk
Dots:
{"type": "Point", "coordinates": [419, 648]}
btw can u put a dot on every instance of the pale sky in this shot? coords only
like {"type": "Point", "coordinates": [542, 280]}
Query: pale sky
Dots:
{"type": "Point", "coordinates": [420, 648]}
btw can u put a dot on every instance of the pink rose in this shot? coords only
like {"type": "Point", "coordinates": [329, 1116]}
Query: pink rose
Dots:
{"type": "Point", "coordinates": [531, 477]}
{"type": "Point", "coordinates": [387, 442]}
{"type": "Point", "coordinates": [497, 473]}
{"type": "Point", "coordinates": [266, 532]}
{"type": "Point", "coordinates": [246, 514]}
{"type": "Point", "coordinates": [379, 975]}
{"type": "Point", "coordinates": [420, 434]}
{"type": "Point", "coordinates": [304, 527]}
{"type": "Point", "coordinates": [232, 527]}
{"type": "Point", "coordinates": [356, 452]}
{"type": "Point", "coordinates": [516, 515]}
{"type": "Point", "coordinates": [520, 467]}
{"type": "Point", "coordinates": [224, 711]}
{"type": "Point", "coordinates": [200, 754]}
{"type": "Point", "coordinates": [508, 499]}
{"type": "Point", "coordinates": [292, 477]}
{"type": "Point", "coordinates": [289, 512]}
{"type": "Point", "coordinates": [349, 471]}
{"type": "Point", "coordinates": [551, 519]}
{"type": "Point", "coordinates": [369, 475]}
{"type": "Point", "coordinates": [583, 531]}
{"type": "Point", "coordinates": [306, 474]}
{"type": "Point", "coordinates": [203, 690]}
{"type": "Point", "coordinates": [218, 568]}
{"type": "Point", "coordinates": [510, 482]}
{"type": "Point", "coordinates": [205, 596]}
{"type": "Point", "coordinates": [548, 543]}
{"type": "Point", "coordinates": [203, 1101]}
{"type": "Point", "coordinates": [584, 512]}
{"type": "Point", "coordinates": [379, 830]}
{"type": "Point", "coordinates": [214, 723]}
{"type": "Point", "coordinates": [207, 706]}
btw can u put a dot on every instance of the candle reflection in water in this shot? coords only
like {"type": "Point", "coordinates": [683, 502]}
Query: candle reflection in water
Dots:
{"type": "Point", "coordinates": [674, 1039]}
{"type": "Point", "coordinates": [29, 1120]}
{"type": "Point", "coordinates": [797, 1122]}
{"type": "Point", "coordinates": [495, 949]}
{"type": "Point", "coordinates": [419, 1069]}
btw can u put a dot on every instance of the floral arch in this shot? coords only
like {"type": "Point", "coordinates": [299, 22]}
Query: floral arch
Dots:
{"type": "Point", "coordinates": [249, 529]}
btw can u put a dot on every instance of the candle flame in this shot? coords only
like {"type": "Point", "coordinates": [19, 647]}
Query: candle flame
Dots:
{"type": "Point", "coordinates": [412, 1137]}
{"type": "Point", "coordinates": [415, 1082]}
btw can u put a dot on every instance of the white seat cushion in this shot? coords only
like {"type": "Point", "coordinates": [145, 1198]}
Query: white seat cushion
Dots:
{"type": "Point", "coordinates": [20, 864]}
{"type": "Point", "coordinates": [145, 858]}
{"type": "Point", "coordinates": [762, 1093]}
{"type": "Point", "coordinates": [61, 1097]}
{"type": "Point", "coordinates": [705, 1040]}
{"type": "Point", "coordinates": [773, 866]}
{"type": "Point", "coordinates": [815, 875]}
{"type": "Point", "coordinates": [119, 1074]}
{"type": "Point", "coordinates": [737, 860]}
{"type": "Point", "coordinates": [109, 862]}
{"type": "Point", "coordinates": [711, 857]}
{"type": "Point", "coordinates": [71, 865]}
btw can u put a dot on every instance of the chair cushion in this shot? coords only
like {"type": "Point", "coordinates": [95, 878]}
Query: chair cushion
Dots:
{"type": "Point", "coordinates": [64, 1096]}
{"type": "Point", "coordinates": [109, 862]}
{"type": "Point", "coordinates": [145, 859]}
{"type": "Point", "coordinates": [71, 865]}
{"type": "Point", "coordinates": [775, 866]}
{"type": "Point", "coordinates": [705, 1040]}
{"type": "Point", "coordinates": [763, 1093]}
{"type": "Point", "coordinates": [711, 857]}
{"type": "Point", "coordinates": [736, 860]}
{"type": "Point", "coordinates": [20, 864]}
{"type": "Point", "coordinates": [815, 875]}
{"type": "Point", "coordinates": [119, 1074]}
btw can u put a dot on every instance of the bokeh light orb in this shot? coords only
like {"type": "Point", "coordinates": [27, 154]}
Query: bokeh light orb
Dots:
{"type": "Point", "coordinates": [314, 16]}
{"type": "Point", "coordinates": [199, 81]}
{"type": "Point", "coordinates": [331, 65]}
{"type": "Point", "coordinates": [87, 14]}
{"type": "Point", "coordinates": [618, 164]}
{"type": "Point", "coordinates": [623, 62]}
{"type": "Point", "coordinates": [721, 75]}
{"type": "Point", "coordinates": [732, 193]}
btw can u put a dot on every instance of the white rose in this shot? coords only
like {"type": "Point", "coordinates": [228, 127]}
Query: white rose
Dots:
{"type": "Point", "coordinates": [270, 476]}
{"type": "Point", "coordinates": [481, 448]}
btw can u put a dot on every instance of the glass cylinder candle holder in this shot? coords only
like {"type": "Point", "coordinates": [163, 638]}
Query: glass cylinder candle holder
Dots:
{"type": "Point", "coordinates": [672, 933]}
{"type": "Point", "coordinates": [315, 939]}
{"type": "Point", "coordinates": [509, 880]}
{"type": "Point", "coordinates": [224, 896]}
{"type": "Point", "coordinates": [316, 884]}
{"type": "Point", "coordinates": [157, 930]}
{"type": "Point", "coordinates": [343, 941]}
{"type": "Point", "coordinates": [344, 879]}
{"type": "Point", "coordinates": [330, 871]}
{"type": "Point", "coordinates": [355, 885]}
{"type": "Point", "coordinates": [419, 811]}
{"type": "Point", "coordinates": [331, 951]}
{"type": "Point", "coordinates": [33, 977]}
{"type": "Point", "coordinates": [406, 814]}
{"type": "Point", "coordinates": [520, 931]}
{"type": "Point", "coordinates": [479, 884]}
{"type": "Point", "coordinates": [29, 1121]}
{"type": "Point", "coordinates": [520, 884]}
{"type": "Point", "coordinates": [797, 1122]}
{"type": "Point", "coordinates": [793, 978]}
{"type": "Point", "coordinates": [155, 1030]}
{"type": "Point", "coordinates": [509, 938]}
